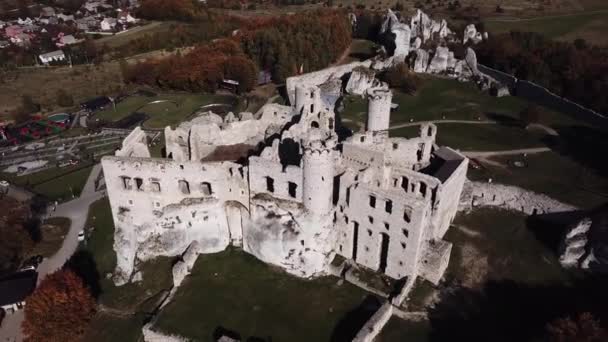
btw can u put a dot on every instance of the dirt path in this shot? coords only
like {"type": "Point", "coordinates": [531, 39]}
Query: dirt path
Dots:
{"type": "Point", "coordinates": [418, 123]}
{"type": "Point", "coordinates": [484, 154]}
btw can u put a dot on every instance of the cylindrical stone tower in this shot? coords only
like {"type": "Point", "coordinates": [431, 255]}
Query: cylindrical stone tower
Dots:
{"type": "Point", "coordinates": [379, 109]}
{"type": "Point", "coordinates": [318, 177]}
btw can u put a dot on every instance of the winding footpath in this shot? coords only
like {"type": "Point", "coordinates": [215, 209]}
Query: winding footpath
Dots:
{"type": "Point", "coordinates": [77, 211]}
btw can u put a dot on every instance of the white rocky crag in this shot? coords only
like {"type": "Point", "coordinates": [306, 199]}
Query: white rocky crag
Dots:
{"type": "Point", "coordinates": [471, 34]}
{"type": "Point", "coordinates": [585, 244]}
{"type": "Point", "coordinates": [360, 80]}
{"type": "Point", "coordinates": [439, 63]}
{"type": "Point", "coordinates": [574, 252]}
{"type": "Point", "coordinates": [421, 61]}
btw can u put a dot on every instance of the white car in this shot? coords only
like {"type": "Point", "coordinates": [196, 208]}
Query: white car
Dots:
{"type": "Point", "coordinates": [81, 235]}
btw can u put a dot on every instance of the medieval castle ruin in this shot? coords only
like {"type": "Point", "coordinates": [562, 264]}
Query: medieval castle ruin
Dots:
{"type": "Point", "coordinates": [301, 195]}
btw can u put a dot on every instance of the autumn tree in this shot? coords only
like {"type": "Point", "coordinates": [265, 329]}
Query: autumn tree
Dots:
{"type": "Point", "coordinates": [15, 241]}
{"type": "Point", "coordinates": [60, 309]}
{"type": "Point", "coordinates": [581, 328]}
{"type": "Point", "coordinates": [242, 70]}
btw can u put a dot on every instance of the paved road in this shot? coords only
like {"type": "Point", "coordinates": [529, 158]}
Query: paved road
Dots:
{"type": "Point", "coordinates": [76, 210]}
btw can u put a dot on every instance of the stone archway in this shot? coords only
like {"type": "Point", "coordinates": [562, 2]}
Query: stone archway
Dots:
{"type": "Point", "coordinates": [236, 213]}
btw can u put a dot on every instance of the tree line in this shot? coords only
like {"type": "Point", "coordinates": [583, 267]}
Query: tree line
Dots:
{"type": "Point", "coordinates": [281, 46]}
{"type": "Point", "coordinates": [576, 70]}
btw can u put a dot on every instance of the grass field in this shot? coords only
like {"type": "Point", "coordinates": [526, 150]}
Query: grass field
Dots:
{"type": "Point", "coordinates": [57, 184]}
{"type": "Point", "coordinates": [499, 245]}
{"type": "Point", "coordinates": [440, 98]}
{"type": "Point", "coordinates": [235, 291]}
{"type": "Point", "coordinates": [173, 110]}
{"type": "Point", "coordinates": [82, 81]}
{"type": "Point", "coordinates": [134, 33]}
{"type": "Point", "coordinates": [587, 25]}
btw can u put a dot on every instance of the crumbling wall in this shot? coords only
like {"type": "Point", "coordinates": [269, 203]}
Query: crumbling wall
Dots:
{"type": "Point", "coordinates": [374, 325]}
{"type": "Point", "coordinates": [134, 145]}
{"type": "Point", "coordinates": [176, 144]}
{"type": "Point", "coordinates": [319, 77]}
{"type": "Point", "coordinates": [160, 206]}
{"type": "Point", "coordinates": [281, 233]}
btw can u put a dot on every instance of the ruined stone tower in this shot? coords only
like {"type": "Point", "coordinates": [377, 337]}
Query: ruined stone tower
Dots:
{"type": "Point", "coordinates": [318, 176]}
{"type": "Point", "coordinates": [379, 109]}
{"type": "Point", "coordinates": [307, 100]}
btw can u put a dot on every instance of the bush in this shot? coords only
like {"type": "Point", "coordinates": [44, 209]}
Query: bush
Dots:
{"type": "Point", "coordinates": [400, 77]}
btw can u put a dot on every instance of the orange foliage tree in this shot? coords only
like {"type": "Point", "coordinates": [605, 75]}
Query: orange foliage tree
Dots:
{"type": "Point", "coordinates": [581, 328]}
{"type": "Point", "coordinates": [15, 240]}
{"type": "Point", "coordinates": [60, 309]}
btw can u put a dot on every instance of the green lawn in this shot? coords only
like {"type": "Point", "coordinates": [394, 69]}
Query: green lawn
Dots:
{"type": "Point", "coordinates": [108, 328]}
{"type": "Point", "coordinates": [65, 187]}
{"type": "Point", "coordinates": [360, 50]}
{"type": "Point", "coordinates": [478, 137]}
{"type": "Point", "coordinates": [56, 184]}
{"type": "Point", "coordinates": [555, 27]}
{"type": "Point", "coordinates": [552, 174]}
{"type": "Point", "coordinates": [176, 108]}
{"type": "Point", "coordinates": [242, 294]}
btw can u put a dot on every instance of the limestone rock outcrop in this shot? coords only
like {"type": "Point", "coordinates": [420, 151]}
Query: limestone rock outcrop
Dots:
{"type": "Point", "coordinates": [360, 80]}
{"type": "Point", "coordinates": [421, 61]}
{"type": "Point", "coordinates": [282, 234]}
{"type": "Point", "coordinates": [439, 63]}
{"type": "Point", "coordinates": [585, 244]}
{"type": "Point", "coordinates": [471, 34]}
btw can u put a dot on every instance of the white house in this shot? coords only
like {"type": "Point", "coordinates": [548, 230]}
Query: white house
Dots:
{"type": "Point", "coordinates": [55, 56]}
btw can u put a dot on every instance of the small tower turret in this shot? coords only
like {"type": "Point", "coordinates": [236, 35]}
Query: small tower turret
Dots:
{"type": "Point", "coordinates": [379, 109]}
{"type": "Point", "coordinates": [318, 173]}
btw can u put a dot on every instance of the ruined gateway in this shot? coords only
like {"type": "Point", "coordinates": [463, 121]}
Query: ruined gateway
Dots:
{"type": "Point", "coordinates": [302, 196]}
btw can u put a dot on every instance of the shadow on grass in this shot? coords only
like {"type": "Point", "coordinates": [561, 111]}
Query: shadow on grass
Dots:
{"type": "Point", "coordinates": [582, 144]}
{"type": "Point", "coordinates": [510, 311]}
{"type": "Point", "coordinates": [83, 264]}
{"type": "Point", "coordinates": [504, 120]}
{"type": "Point", "coordinates": [551, 228]}
{"type": "Point", "coordinates": [348, 327]}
